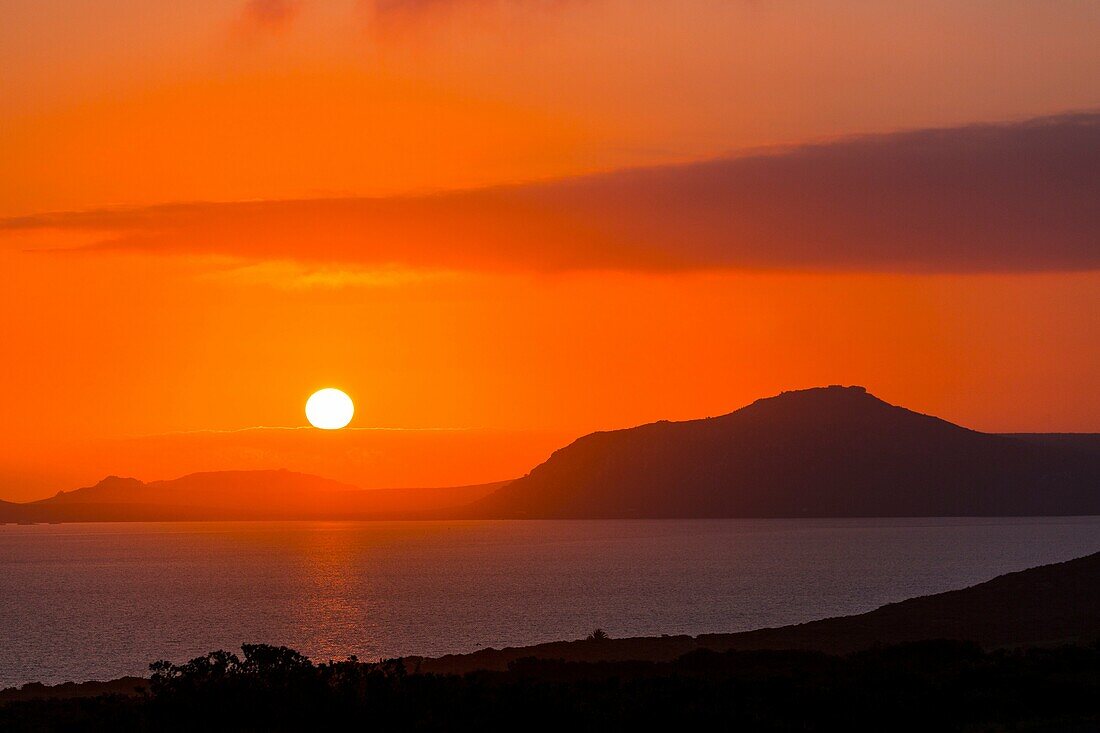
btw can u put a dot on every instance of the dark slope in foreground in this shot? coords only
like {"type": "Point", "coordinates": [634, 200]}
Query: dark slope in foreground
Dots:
{"type": "Point", "coordinates": [825, 452]}
{"type": "Point", "coordinates": [237, 495]}
{"type": "Point", "coordinates": [1051, 604]}
{"type": "Point", "coordinates": [929, 686]}
{"type": "Point", "coordinates": [1047, 605]}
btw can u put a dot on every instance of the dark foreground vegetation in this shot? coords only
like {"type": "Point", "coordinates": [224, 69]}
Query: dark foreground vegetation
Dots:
{"type": "Point", "coordinates": [934, 685]}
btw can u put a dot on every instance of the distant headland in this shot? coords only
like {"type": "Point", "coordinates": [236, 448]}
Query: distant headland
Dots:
{"type": "Point", "coordinates": [823, 452]}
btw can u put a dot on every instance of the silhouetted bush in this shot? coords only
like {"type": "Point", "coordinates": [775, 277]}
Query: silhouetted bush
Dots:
{"type": "Point", "coordinates": [925, 686]}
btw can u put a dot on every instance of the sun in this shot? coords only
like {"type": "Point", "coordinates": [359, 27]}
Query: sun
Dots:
{"type": "Point", "coordinates": [329, 409]}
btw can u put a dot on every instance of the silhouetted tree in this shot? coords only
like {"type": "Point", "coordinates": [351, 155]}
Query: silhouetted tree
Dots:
{"type": "Point", "coordinates": [933, 685]}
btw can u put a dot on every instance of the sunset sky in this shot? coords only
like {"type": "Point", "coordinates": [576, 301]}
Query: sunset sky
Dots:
{"type": "Point", "coordinates": [501, 224]}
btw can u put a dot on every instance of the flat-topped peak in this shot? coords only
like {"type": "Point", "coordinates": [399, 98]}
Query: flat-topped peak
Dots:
{"type": "Point", "coordinates": [832, 397]}
{"type": "Point", "coordinates": [113, 480]}
{"type": "Point", "coordinates": [854, 390]}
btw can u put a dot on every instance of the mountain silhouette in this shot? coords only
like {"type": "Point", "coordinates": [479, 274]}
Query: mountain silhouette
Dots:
{"type": "Point", "coordinates": [238, 495]}
{"type": "Point", "coordinates": [823, 452]}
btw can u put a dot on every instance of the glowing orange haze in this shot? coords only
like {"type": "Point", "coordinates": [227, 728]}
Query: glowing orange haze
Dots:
{"type": "Point", "coordinates": [145, 361]}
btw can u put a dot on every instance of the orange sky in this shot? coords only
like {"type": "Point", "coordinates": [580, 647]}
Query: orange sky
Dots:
{"type": "Point", "coordinates": [492, 326]}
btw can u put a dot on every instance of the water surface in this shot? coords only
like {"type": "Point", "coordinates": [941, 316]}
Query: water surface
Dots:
{"type": "Point", "coordinates": [96, 601]}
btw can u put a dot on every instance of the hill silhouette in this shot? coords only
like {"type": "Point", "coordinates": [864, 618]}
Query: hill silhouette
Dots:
{"type": "Point", "coordinates": [237, 495]}
{"type": "Point", "coordinates": [1045, 606]}
{"type": "Point", "coordinates": [823, 452]}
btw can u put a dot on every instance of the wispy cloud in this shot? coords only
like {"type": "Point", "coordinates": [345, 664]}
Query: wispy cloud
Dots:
{"type": "Point", "coordinates": [1016, 196]}
{"type": "Point", "coordinates": [413, 7]}
{"type": "Point", "coordinates": [290, 275]}
{"type": "Point", "coordinates": [268, 15]}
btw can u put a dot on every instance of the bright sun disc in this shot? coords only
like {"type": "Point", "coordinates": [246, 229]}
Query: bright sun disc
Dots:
{"type": "Point", "coordinates": [329, 409]}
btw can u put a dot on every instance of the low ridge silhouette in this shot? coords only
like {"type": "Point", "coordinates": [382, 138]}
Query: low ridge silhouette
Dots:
{"type": "Point", "coordinates": [228, 495]}
{"type": "Point", "coordinates": [823, 452]}
{"type": "Point", "coordinates": [1048, 605]}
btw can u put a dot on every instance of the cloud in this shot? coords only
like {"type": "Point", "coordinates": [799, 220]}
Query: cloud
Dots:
{"type": "Point", "coordinates": [383, 7]}
{"type": "Point", "coordinates": [296, 276]}
{"type": "Point", "coordinates": [390, 17]}
{"type": "Point", "coordinates": [1016, 196]}
{"type": "Point", "coordinates": [269, 14]}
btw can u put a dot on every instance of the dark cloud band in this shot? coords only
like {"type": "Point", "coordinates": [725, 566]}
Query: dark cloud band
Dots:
{"type": "Point", "coordinates": [1006, 197]}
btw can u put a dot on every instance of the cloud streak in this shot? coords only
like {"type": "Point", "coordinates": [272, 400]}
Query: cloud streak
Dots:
{"type": "Point", "coordinates": [390, 7]}
{"type": "Point", "coordinates": [269, 15]}
{"type": "Point", "coordinates": [1012, 197]}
